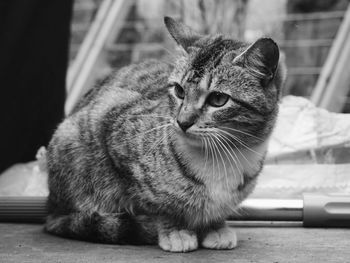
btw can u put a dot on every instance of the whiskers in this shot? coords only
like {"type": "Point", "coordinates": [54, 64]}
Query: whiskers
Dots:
{"type": "Point", "coordinates": [221, 128]}
{"type": "Point", "coordinates": [227, 153]}
{"type": "Point", "coordinates": [218, 154]}
{"type": "Point", "coordinates": [234, 139]}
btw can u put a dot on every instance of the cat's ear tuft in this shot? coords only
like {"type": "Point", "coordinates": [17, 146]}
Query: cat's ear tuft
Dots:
{"type": "Point", "coordinates": [261, 59]}
{"type": "Point", "coordinates": [182, 34]}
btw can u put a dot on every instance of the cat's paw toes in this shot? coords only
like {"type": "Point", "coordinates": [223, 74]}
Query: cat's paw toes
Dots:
{"type": "Point", "coordinates": [178, 241]}
{"type": "Point", "coordinates": [222, 238]}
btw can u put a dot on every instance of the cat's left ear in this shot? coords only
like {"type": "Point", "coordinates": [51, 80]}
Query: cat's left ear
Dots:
{"type": "Point", "coordinates": [261, 59]}
{"type": "Point", "coordinates": [182, 34]}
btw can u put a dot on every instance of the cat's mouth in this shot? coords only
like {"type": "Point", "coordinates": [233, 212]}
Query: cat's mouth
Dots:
{"type": "Point", "coordinates": [191, 137]}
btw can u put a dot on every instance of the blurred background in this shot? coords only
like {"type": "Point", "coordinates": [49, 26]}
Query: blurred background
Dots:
{"type": "Point", "coordinates": [304, 30]}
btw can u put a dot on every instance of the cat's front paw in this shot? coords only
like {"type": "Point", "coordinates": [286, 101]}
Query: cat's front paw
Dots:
{"type": "Point", "coordinates": [222, 238]}
{"type": "Point", "coordinates": [178, 241]}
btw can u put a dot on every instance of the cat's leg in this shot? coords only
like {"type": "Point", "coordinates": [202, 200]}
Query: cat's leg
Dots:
{"type": "Point", "coordinates": [96, 227]}
{"type": "Point", "coordinates": [176, 239]}
{"type": "Point", "coordinates": [222, 237]}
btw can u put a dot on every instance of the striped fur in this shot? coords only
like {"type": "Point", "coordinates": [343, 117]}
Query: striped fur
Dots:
{"type": "Point", "coordinates": [122, 171]}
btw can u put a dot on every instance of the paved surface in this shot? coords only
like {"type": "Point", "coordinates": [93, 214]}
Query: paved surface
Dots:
{"type": "Point", "coordinates": [27, 243]}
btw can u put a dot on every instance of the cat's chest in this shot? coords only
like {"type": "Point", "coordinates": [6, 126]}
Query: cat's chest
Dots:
{"type": "Point", "coordinates": [216, 200]}
{"type": "Point", "coordinates": [223, 179]}
{"type": "Point", "coordinates": [220, 191]}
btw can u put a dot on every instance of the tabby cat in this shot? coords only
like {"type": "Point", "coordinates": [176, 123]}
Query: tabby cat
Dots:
{"type": "Point", "coordinates": [164, 152]}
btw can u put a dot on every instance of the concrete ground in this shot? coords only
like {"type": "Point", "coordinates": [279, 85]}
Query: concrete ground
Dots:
{"type": "Point", "coordinates": [27, 243]}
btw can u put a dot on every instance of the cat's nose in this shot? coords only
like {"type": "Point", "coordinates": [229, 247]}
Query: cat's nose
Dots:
{"type": "Point", "coordinates": [185, 125]}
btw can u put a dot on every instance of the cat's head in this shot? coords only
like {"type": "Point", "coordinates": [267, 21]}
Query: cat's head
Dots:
{"type": "Point", "coordinates": [224, 88]}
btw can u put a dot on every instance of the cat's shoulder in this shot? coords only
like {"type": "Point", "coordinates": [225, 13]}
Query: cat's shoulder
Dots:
{"type": "Point", "coordinates": [147, 78]}
{"type": "Point", "coordinates": [137, 77]}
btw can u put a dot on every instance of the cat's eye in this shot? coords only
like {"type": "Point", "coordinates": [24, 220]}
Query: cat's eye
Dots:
{"type": "Point", "coordinates": [179, 91]}
{"type": "Point", "coordinates": [217, 99]}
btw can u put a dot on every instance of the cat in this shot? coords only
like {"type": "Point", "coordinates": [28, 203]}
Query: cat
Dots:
{"type": "Point", "coordinates": [164, 152]}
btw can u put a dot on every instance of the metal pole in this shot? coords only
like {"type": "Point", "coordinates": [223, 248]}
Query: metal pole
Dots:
{"type": "Point", "coordinates": [314, 210]}
{"type": "Point", "coordinates": [270, 210]}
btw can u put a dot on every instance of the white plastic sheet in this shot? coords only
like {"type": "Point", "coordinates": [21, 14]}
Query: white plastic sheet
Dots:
{"type": "Point", "coordinates": [302, 126]}
{"type": "Point", "coordinates": [291, 181]}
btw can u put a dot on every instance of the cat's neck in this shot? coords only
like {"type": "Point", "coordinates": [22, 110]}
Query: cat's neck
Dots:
{"type": "Point", "coordinates": [212, 164]}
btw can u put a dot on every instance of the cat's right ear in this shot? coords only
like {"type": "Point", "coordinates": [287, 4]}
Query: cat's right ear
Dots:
{"type": "Point", "coordinates": [182, 34]}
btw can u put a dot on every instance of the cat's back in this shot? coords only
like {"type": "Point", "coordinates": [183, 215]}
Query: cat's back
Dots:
{"type": "Point", "coordinates": [146, 77]}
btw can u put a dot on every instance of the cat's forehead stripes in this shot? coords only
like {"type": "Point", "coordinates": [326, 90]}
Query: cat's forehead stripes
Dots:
{"type": "Point", "coordinates": [209, 56]}
{"type": "Point", "coordinates": [204, 59]}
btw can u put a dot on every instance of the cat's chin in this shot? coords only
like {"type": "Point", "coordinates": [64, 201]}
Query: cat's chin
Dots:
{"type": "Point", "coordinates": [190, 139]}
